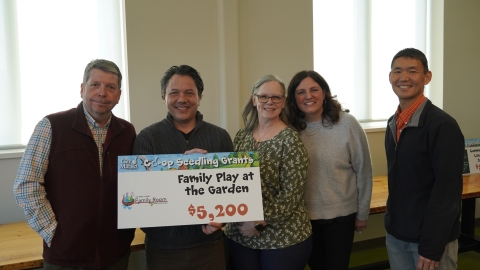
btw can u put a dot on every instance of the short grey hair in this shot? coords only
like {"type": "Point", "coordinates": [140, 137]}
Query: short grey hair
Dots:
{"type": "Point", "coordinates": [103, 65]}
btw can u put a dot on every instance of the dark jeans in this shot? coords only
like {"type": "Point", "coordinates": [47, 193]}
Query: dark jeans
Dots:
{"type": "Point", "coordinates": [332, 243]}
{"type": "Point", "coordinates": [290, 258]}
{"type": "Point", "coordinates": [121, 264]}
{"type": "Point", "coordinates": [206, 257]}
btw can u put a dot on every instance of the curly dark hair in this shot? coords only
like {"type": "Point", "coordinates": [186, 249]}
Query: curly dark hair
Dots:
{"type": "Point", "coordinates": [331, 106]}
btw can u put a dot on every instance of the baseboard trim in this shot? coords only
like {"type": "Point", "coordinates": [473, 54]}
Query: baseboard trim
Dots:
{"type": "Point", "coordinates": [380, 242]}
{"type": "Point", "coordinates": [368, 244]}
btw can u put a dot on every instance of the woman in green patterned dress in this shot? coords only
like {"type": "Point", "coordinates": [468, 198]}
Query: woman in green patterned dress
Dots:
{"type": "Point", "coordinates": [283, 239]}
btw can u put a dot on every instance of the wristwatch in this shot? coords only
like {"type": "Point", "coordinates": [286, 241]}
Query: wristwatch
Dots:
{"type": "Point", "coordinates": [259, 226]}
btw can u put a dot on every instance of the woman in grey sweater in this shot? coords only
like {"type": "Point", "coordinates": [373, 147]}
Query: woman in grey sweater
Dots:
{"type": "Point", "coordinates": [339, 183]}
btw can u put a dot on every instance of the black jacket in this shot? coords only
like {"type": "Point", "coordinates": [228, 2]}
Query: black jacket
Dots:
{"type": "Point", "coordinates": [425, 180]}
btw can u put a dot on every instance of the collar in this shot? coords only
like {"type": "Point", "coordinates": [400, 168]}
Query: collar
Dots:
{"type": "Point", "coordinates": [415, 118]}
{"type": "Point", "coordinates": [404, 116]}
{"type": "Point", "coordinates": [198, 120]}
{"type": "Point", "coordinates": [92, 122]}
{"type": "Point", "coordinates": [415, 121]}
{"type": "Point", "coordinates": [80, 123]}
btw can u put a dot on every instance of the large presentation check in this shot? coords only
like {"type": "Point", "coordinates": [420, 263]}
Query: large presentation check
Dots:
{"type": "Point", "coordinates": [177, 189]}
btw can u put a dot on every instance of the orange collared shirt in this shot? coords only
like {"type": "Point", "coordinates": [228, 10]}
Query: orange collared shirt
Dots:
{"type": "Point", "coordinates": [404, 117]}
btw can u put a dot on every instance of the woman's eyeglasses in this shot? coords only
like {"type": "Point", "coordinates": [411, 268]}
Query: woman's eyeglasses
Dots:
{"type": "Point", "coordinates": [265, 98]}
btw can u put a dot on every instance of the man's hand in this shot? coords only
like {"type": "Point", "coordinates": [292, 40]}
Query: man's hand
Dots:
{"type": "Point", "coordinates": [211, 227]}
{"type": "Point", "coordinates": [426, 264]}
{"type": "Point", "coordinates": [196, 150]}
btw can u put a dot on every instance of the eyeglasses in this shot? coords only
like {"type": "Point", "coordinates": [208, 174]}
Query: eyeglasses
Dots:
{"type": "Point", "coordinates": [265, 98]}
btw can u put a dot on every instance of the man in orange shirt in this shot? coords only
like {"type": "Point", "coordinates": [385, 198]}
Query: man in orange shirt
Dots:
{"type": "Point", "coordinates": [424, 147]}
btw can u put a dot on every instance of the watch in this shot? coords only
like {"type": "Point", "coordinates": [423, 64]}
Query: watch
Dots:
{"type": "Point", "coordinates": [259, 226]}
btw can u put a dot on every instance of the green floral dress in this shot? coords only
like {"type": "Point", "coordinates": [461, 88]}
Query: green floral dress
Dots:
{"type": "Point", "coordinates": [283, 170]}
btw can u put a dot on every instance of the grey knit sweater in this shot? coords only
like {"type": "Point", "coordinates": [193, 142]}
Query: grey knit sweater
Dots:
{"type": "Point", "coordinates": [339, 179]}
{"type": "Point", "coordinates": [164, 138]}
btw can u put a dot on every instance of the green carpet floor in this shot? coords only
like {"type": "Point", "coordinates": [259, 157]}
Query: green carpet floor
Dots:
{"type": "Point", "coordinates": [466, 260]}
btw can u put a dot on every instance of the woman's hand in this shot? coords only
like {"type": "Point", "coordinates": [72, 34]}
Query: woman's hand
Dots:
{"type": "Point", "coordinates": [248, 228]}
{"type": "Point", "coordinates": [360, 225]}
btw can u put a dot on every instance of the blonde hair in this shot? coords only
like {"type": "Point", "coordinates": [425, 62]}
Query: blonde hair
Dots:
{"type": "Point", "coordinates": [249, 111]}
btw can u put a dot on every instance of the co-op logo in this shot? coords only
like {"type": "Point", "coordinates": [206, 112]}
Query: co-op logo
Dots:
{"type": "Point", "coordinates": [132, 164]}
{"type": "Point", "coordinates": [129, 199]}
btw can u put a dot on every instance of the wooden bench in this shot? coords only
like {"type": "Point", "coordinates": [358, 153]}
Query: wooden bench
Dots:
{"type": "Point", "coordinates": [21, 247]}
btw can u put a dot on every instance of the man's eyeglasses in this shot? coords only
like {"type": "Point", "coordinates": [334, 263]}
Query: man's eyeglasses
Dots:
{"type": "Point", "coordinates": [265, 98]}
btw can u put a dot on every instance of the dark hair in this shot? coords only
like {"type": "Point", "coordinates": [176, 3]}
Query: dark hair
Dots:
{"type": "Point", "coordinates": [185, 70]}
{"type": "Point", "coordinates": [331, 106]}
{"type": "Point", "coordinates": [105, 66]}
{"type": "Point", "coordinates": [412, 53]}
